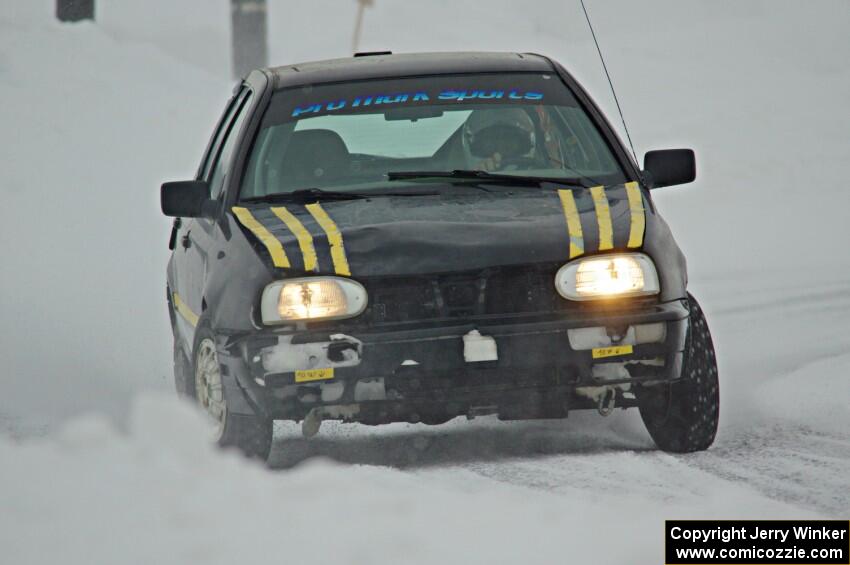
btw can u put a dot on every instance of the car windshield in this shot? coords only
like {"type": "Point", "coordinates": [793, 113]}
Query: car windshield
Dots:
{"type": "Point", "coordinates": [358, 136]}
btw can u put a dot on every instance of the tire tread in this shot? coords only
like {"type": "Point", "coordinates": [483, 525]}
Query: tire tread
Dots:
{"type": "Point", "coordinates": [686, 419]}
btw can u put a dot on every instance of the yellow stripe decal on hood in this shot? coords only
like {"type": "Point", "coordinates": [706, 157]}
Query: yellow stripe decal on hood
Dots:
{"type": "Point", "coordinates": [637, 214]}
{"type": "Point", "coordinates": [603, 218]}
{"type": "Point", "coordinates": [305, 240]}
{"type": "Point", "coordinates": [184, 310]}
{"type": "Point", "coordinates": [568, 203]}
{"type": "Point", "coordinates": [334, 238]}
{"type": "Point", "coordinates": [270, 241]}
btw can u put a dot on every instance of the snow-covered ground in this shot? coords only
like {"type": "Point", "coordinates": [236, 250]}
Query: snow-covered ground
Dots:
{"type": "Point", "coordinates": [100, 464]}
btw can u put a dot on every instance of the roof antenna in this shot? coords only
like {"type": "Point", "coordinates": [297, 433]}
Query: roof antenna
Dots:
{"type": "Point", "coordinates": [611, 84]}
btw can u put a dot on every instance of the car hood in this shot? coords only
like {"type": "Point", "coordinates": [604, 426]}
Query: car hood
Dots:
{"type": "Point", "coordinates": [412, 235]}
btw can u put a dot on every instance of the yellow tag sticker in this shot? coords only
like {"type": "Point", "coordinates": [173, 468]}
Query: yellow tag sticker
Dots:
{"type": "Point", "coordinates": [314, 375]}
{"type": "Point", "coordinates": [600, 352]}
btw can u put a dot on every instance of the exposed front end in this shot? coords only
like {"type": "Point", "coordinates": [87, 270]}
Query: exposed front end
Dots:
{"type": "Point", "coordinates": [429, 348]}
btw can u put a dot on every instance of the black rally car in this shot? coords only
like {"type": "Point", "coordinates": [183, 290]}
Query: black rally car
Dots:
{"type": "Point", "coordinates": [418, 237]}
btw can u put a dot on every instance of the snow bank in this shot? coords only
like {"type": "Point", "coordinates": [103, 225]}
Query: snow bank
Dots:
{"type": "Point", "coordinates": [92, 126]}
{"type": "Point", "coordinates": [159, 494]}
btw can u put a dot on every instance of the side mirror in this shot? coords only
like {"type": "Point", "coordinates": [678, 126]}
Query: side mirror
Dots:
{"type": "Point", "coordinates": [667, 167]}
{"type": "Point", "coordinates": [187, 199]}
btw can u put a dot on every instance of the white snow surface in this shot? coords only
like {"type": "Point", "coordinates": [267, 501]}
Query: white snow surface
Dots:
{"type": "Point", "coordinates": [99, 463]}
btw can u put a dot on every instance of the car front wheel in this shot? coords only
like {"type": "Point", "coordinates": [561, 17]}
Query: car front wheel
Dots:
{"type": "Point", "coordinates": [682, 417]}
{"type": "Point", "coordinates": [250, 433]}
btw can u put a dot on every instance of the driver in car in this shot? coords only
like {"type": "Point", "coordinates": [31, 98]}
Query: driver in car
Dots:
{"type": "Point", "coordinates": [496, 139]}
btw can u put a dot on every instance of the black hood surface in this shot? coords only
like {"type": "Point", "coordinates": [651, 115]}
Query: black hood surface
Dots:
{"type": "Point", "coordinates": [413, 235]}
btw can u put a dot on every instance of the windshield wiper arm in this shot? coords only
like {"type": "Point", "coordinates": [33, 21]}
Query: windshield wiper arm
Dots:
{"type": "Point", "coordinates": [464, 174]}
{"type": "Point", "coordinates": [316, 194]}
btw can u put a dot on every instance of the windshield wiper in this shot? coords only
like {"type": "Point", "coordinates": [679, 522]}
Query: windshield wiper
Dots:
{"type": "Point", "coordinates": [316, 194]}
{"type": "Point", "coordinates": [485, 176]}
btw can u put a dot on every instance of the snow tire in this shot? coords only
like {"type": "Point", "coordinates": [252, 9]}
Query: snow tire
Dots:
{"type": "Point", "coordinates": [683, 417]}
{"type": "Point", "coordinates": [250, 433]}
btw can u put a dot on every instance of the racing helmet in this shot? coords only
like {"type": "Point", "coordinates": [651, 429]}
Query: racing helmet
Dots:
{"type": "Point", "coordinates": [507, 131]}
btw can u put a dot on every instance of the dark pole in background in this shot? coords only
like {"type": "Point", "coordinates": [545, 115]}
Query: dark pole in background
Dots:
{"type": "Point", "coordinates": [250, 50]}
{"type": "Point", "coordinates": [74, 10]}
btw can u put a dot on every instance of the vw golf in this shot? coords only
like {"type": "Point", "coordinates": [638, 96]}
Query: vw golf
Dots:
{"type": "Point", "coordinates": [413, 238]}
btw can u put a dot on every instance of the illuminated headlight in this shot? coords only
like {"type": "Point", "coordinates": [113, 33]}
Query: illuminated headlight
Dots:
{"type": "Point", "coordinates": [607, 276]}
{"type": "Point", "coordinates": [313, 298]}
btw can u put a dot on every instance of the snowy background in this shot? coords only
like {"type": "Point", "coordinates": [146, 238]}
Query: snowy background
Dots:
{"type": "Point", "coordinates": [100, 464]}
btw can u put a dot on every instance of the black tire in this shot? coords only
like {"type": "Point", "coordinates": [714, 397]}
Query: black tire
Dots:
{"type": "Point", "coordinates": [683, 417]}
{"type": "Point", "coordinates": [250, 433]}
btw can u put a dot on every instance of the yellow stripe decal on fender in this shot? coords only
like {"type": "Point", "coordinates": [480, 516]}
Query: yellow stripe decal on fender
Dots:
{"type": "Point", "coordinates": [334, 238]}
{"type": "Point", "coordinates": [270, 241]}
{"type": "Point", "coordinates": [184, 310]}
{"type": "Point", "coordinates": [603, 218]}
{"type": "Point", "coordinates": [568, 203]}
{"type": "Point", "coordinates": [638, 214]}
{"type": "Point", "coordinates": [305, 240]}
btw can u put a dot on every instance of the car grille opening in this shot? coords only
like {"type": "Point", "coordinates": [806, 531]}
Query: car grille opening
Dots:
{"type": "Point", "coordinates": [502, 291]}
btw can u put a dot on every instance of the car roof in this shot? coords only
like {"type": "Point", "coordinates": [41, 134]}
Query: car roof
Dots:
{"type": "Point", "coordinates": [379, 66]}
